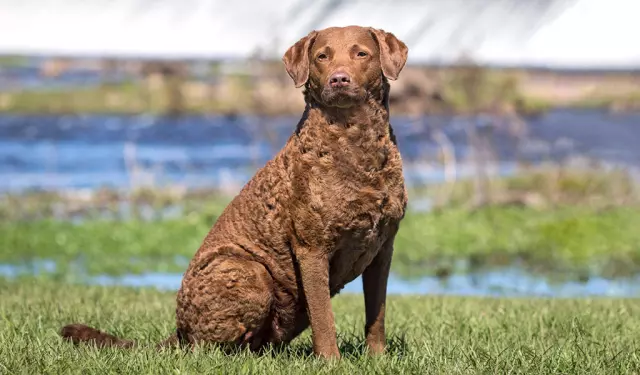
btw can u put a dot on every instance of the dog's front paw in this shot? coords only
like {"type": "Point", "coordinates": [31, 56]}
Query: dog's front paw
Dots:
{"type": "Point", "coordinates": [329, 352]}
{"type": "Point", "coordinates": [375, 347]}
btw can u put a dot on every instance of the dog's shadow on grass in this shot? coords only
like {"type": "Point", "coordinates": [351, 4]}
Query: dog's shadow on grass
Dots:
{"type": "Point", "coordinates": [351, 347]}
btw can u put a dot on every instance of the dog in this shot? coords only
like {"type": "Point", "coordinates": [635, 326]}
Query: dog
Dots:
{"type": "Point", "coordinates": [322, 212]}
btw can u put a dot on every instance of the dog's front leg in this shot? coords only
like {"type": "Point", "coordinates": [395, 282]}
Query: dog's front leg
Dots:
{"type": "Point", "coordinates": [374, 283]}
{"type": "Point", "coordinates": [314, 270]}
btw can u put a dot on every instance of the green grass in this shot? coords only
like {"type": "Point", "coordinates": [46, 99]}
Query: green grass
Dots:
{"type": "Point", "coordinates": [576, 239]}
{"type": "Point", "coordinates": [125, 98]}
{"type": "Point", "coordinates": [131, 97]}
{"type": "Point", "coordinates": [567, 239]}
{"type": "Point", "coordinates": [12, 61]}
{"type": "Point", "coordinates": [582, 223]}
{"type": "Point", "coordinates": [426, 335]}
{"type": "Point", "coordinates": [473, 89]}
{"type": "Point", "coordinates": [628, 101]}
{"type": "Point", "coordinates": [135, 97]}
{"type": "Point", "coordinates": [552, 185]}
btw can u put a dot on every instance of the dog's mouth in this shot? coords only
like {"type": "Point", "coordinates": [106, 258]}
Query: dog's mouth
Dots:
{"type": "Point", "coordinates": [342, 97]}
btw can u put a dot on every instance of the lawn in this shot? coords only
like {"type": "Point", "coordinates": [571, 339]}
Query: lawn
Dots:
{"type": "Point", "coordinates": [427, 335]}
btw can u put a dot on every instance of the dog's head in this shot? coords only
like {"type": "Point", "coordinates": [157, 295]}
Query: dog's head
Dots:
{"type": "Point", "coordinates": [342, 66]}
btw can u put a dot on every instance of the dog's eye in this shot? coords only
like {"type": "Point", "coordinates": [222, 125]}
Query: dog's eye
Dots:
{"type": "Point", "coordinates": [322, 56]}
{"type": "Point", "coordinates": [362, 54]}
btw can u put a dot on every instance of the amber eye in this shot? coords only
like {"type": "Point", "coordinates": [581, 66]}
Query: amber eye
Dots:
{"type": "Point", "coordinates": [362, 54]}
{"type": "Point", "coordinates": [322, 56]}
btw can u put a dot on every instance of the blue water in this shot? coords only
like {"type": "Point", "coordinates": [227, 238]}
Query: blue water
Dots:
{"type": "Point", "coordinates": [498, 282]}
{"type": "Point", "coordinates": [58, 152]}
{"type": "Point", "coordinates": [507, 282]}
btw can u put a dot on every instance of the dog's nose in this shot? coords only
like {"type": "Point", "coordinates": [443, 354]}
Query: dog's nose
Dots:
{"type": "Point", "coordinates": [339, 79]}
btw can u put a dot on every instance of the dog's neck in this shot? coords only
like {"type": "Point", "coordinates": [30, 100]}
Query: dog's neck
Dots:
{"type": "Point", "coordinates": [358, 138]}
{"type": "Point", "coordinates": [373, 112]}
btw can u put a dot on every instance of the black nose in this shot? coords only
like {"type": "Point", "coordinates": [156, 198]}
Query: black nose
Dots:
{"type": "Point", "coordinates": [339, 79]}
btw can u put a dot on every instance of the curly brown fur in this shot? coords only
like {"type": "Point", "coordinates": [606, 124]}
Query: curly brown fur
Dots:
{"type": "Point", "coordinates": [323, 211]}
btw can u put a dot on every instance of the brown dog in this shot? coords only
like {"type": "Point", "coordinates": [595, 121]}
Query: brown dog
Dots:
{"type": "Point", "coordinates": [325, 210]}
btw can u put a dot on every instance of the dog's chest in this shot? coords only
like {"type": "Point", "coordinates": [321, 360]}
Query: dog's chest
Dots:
{"type": "Point", "coordinates": [354, 198]}
{"type": "Point", "coordinates": [357, 192]}
{"type": "Point", "coordinates": [363, 215]}
{"type": "Point", "coordinates": [362, 233]}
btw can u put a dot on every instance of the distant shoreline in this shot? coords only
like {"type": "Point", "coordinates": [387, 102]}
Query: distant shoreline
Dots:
{"type": "Point", "coordinates": [419, 91]}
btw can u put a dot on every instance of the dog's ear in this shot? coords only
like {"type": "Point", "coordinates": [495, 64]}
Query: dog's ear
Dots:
{"type": "Point", "coordinates": [393, 53]}
{"type": "Point", "coordinates": [296, 59]}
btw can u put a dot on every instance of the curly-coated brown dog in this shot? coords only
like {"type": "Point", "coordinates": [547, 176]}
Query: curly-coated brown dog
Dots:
{"type": "Point", "coordinates": [325, 210]}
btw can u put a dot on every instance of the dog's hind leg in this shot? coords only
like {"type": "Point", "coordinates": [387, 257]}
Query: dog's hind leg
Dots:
{"type": "Point", "coordinates": [228, 302]}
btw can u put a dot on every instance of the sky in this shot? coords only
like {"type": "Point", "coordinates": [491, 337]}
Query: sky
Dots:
{"type": "Point", "coordinates": [577, 33]}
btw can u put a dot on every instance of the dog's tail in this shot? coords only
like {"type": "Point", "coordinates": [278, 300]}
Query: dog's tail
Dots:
{"type": "Point", "coordinates": [83, 334]}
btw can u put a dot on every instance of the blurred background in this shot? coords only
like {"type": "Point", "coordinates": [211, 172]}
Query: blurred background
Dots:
{"type": "Point", "coordinates": [126, 126]}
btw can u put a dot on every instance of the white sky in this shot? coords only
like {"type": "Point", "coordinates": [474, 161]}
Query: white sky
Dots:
{"type": "Point", "coordinates": [590, 33]}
